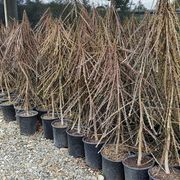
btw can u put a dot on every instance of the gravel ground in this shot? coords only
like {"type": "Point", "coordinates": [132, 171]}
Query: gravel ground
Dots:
{"type": "Point", "coordinates": [34, 157]}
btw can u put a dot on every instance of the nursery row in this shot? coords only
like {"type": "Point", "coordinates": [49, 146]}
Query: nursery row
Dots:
{"type": "Point", "coordinates": [112, 85]}
{"type": "Point", "coordinates": [78, 145]}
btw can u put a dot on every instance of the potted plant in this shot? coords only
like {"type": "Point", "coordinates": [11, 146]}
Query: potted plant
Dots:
{"type": "Point", "coordinates": [92, 61]}
{"type": "Point", "coordinates": [116, 121]}
{"type": "Point", "coordinates": [22, 50]}
{"type": "Point", "coordinates": [7, 82]}
{"type": "Point", "coordinates": [76, 104]}
{"type": "Point", "coordinates": [167, 86]}
{"type": "Point", "coordinates": [52, 82]}
{"type": "Point", "coordinates": [41, 32]}
{"type": "Point", "coordinates": [143, 90]}
{"type": "Point", "coordinates": [75, 133]}
{"type": "Point", "coordinates": [157, 90]}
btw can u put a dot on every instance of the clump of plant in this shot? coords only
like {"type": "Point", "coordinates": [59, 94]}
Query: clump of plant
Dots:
{"type": "Point", "coordinates": [53, 57]}
{"type": "Point", "coordinates": [156, 89]}
{"type": "Point", "coordinates": [8, 73]}
{"type": "Point", "coordinates": [21, 52]}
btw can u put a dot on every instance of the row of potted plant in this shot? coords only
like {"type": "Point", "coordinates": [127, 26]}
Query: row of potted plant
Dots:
{"type": "Point", "coordinates": [114, 86]}
{"type": "Point", "coordinates": [114, 166]}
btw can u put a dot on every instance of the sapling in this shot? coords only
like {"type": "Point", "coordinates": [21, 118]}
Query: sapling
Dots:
{"type": "Point", "coordinates": [158, 64]}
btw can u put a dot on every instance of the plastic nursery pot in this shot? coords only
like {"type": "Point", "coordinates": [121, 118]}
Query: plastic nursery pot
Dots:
{"type": "Point", "coordinates": [134, 172]}
{"type": "Point", "coordinates": [8, 111]}
{"type": "Point", "coordinates": [112, 169]}
{"type": "Point", "coordinates": [159, 174]}
{"type": "Point", "coordinates": [2, 94]}
{"type": "Point", "coordinates": [75, 144]}
{"type": "Point", "coordinates": [59, 134]}
{"type": "Point", "coordinates": [93, 157]}
{"type": "Point", "coordinates": [3, 99]}
{"type": "Point", "coordinates": [27, 122]}
{"type": "Point", "coordinates": [47, 127]}
{"type": "Point", "coordinates": [40, 113]}
{"type": "Point", "coordinates": [18, 109]}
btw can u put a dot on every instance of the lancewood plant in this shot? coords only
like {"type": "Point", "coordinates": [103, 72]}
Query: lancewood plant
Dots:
{"type": "Point", "coordinates": [114, 86]}
{"type": "Point", "coordinates": [2, 48]}
{"type": "Point", "coordinates": [21, 51]}
{"type": "Point", "coordinates": [42, 30]}
{"type": "Point", "coordinates": [7, 73]}
{"type": "Point", "coordinates": [43, 26]}
{"type": "Point", "coordinates": [54, 53]}
{"type": "Point", "coordinates": [167, 55]}
{"type": "Point", "coordinates": [156, 89]}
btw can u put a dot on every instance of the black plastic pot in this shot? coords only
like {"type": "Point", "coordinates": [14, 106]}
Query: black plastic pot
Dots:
{"type": "Point", "coordinates": [8, 111]}
{"type": "Point", "coordinates": [136, 173]}
{"type": "Point", "coordinates": [27, 122]}
{"type": "Point", "coordinates": [112, 169]}
{"type": "Point", "coordinates": [47, 128]}
{"type": "Point", "coordinates": [40, 113]}
{"type": "Point", "coordinates": [3, 99]}
{"type": "Point", "coordinates": [59, 134]}
{"type": "Point", "coordinates": [75, 145]}
{"type": "Point", "coordinates": [150, 176]}
{"type": "Point", "coordinates": [93, 157]}
{"type": "Point", "coordinates": [2, 94]}
{"type": "Point", "coordinates": [175, 168]}
{"type": "Point", "coordinates": [18, 110]}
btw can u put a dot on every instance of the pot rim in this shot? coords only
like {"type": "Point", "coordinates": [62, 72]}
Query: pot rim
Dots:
{"type": "Point", "coordinates": [173, 167]}
{"type": "Point", "coordinates": [29, 115]}
{"type": "Point", "coordinates": [58, 120]}
{"type": "Point", "coordinates": [2, 104]}
{"type": "Point", "coordinates": [105, 157]}
{"type": "Point", "coordinates": [18, 108]}
{"type": "Point", "coordinates": [75, 135]}
{"type": "Point", "coordinates": [49, 117]}
{"type": "Point", "coordinates": [120, 161]}
{"type": "Point", "coordinates": [41, 109]}
{"type": "Point", "coordinates": [137, 168]}
{"type": "Point", "coordinates": [93, 143]}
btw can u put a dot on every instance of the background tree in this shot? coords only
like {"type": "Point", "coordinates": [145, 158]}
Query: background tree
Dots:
{"type": "Point", "coordinates": [86, 4]}
{"type": "Point", "coordinates": [35, 9]}
{"type": "Point", "coordinates": [140, 6]}
{"type": "Point", "coordinates": [122, 6]}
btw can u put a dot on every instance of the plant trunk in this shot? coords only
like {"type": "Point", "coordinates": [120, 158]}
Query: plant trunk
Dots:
{"type": "Point", "coordinates": [9, 97]}
{"type": "Point", "coordinates": [140, 133]}
{"type": "Point", "coordinates": [119, 114]}
{"type": "Point", "coordinates": [52, 104]}
{"type": "Point", "coordinates": [166, 156]}
{"type": "Point", "coordinates": [94, 121]}
{"type": "Point", "coordinates": [61, 97]}
{"type": "Point", "coordinates": [79, 119]}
